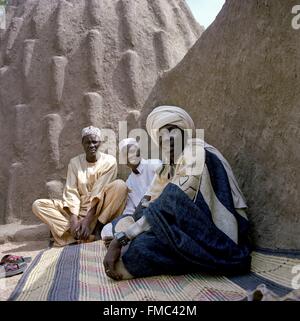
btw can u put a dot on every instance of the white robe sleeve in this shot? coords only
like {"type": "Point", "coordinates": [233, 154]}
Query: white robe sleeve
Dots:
{"type": "Point", "coordinates": [130, 207]}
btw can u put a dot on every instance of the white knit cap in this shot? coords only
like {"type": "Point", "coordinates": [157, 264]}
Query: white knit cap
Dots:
{"type": "Point", "coordinates": [91, 130]}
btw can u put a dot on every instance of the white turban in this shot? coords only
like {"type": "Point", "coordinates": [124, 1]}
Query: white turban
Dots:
{"type": "Point", "coordinates": [168, 115]}
{"type": "Point", "coordinates": [125, 142]}
{"type": "Point", "coordinates": [91, 130]}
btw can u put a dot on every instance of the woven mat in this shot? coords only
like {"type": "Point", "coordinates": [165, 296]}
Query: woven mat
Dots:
{"type": "Point", "coordinates": [76, 273]}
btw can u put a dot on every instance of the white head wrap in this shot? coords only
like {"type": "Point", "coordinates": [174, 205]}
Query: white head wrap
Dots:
{"type": "Point", "coordinates": [91, 130]}
{"type": "Point", "coordinates": [165, 115]}
{"type": "Point", "coordinates": [125, 142]}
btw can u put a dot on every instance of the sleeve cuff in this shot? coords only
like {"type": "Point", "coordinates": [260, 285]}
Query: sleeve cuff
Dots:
{"type": "Point", "coordinates": [93, 199]}
{"type": "Point", "coordinates": [137, 228]}
{"type": "Point", "coordinates": [73, 210]}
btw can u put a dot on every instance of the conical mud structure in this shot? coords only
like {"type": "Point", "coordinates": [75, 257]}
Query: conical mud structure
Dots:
{"type": "Point", "coordinates": [67, 64]}
{"type": "Point", "coordinates": [240, 82]}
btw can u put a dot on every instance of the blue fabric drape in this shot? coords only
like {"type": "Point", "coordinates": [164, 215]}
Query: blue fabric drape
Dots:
{"type": "Point", "coordinates": [183, 237]}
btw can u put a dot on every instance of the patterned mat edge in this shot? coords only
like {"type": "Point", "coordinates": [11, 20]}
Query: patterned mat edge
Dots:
{"type": "Point", "coordinates": [289, 253]}
{"type": "Point", "coordinates": [18, 289]}
{"type": "Point", "coordinates": [248, 283]}
{"type": "Point", "coordinates": [253, 280]}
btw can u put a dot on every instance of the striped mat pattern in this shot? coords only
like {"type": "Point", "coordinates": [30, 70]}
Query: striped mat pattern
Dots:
{"type": "Point", "coordinates": [76, 273]}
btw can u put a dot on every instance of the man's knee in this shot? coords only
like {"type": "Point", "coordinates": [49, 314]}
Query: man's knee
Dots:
{"type": "Point", "coordinates": [36, 206]}
{"type": "Point", "coordinates": [120, 186]}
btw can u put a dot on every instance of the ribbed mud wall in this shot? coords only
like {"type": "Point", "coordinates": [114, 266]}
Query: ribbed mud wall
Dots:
{"type": "Point", "coordinates": [67, 64]}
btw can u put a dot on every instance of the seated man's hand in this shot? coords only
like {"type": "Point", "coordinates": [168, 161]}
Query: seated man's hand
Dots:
{"type": "Point", "coordinates": [84, 230]}
{"type": "Point", "coordinates": [111, 258]}
{"type": "Point", "coordinates": [74, 226]}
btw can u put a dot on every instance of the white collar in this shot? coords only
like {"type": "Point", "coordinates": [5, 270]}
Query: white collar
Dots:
{"type": "Point", "coordinates": [140, 168]}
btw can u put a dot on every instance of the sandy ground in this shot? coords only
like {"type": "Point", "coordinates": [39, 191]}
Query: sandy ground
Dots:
{"type": "Point", "coordinates": [28, 248]}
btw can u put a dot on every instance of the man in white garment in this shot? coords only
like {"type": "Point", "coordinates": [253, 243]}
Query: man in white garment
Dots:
{"type": "Point", "coordinates": [138, 182]}
{"type": "Point", "coordinates": [91, 194]}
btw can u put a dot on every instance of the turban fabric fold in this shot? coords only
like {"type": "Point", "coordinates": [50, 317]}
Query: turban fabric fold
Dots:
{"type": "Point", "coordinates": [168, 115]}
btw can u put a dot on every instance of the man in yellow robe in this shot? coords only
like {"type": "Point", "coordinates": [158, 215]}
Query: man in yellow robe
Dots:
{"type": "Point", "coordinates": [91, 194]}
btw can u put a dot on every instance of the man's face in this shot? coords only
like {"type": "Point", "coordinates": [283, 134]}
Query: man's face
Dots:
{"type": "Point", "coordinates": [133, 155]}
{"type": "Point", "coordinates": [170, 142]}
{"type": "Point", "coordinates": [91, 143]}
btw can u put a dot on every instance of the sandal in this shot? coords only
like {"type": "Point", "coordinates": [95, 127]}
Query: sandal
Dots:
{"type": "Point", "coordinates": [9, 269]}
{"type": "Point", "coordinates": [14, 259]}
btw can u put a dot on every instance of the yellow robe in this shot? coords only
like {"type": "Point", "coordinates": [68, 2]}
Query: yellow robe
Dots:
{"type": "Point", "coordinates": [87, 185]}
{"type": "Point", "coordinates": [85, 181]}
